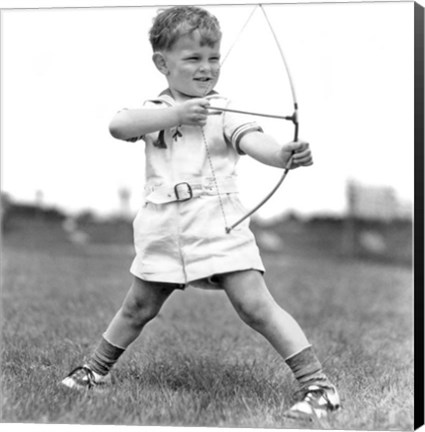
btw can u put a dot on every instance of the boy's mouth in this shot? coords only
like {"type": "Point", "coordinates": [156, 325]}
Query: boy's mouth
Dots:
{"type": "Point", "coordinates": [203, 79]}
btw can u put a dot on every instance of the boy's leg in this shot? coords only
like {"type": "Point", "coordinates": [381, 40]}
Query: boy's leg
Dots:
{"type": "Point", "coordinates": [141, 304]}
{"type": "Point", "coordinates": [252, 300]}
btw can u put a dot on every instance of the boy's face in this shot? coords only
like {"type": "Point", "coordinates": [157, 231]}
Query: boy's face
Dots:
{"type": "Point", "coordinates": [192, 69]}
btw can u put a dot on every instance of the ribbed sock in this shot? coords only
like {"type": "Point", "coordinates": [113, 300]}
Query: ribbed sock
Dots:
{"type": "Point", "coordinates": [104, 357]}
{"type": "Point", "coordinates": [307, 369]}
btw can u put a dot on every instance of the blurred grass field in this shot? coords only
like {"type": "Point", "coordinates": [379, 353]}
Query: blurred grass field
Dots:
{"type": "Point", "coordinates": [197, 364]}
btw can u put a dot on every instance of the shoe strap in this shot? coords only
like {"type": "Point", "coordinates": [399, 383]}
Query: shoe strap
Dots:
{"type": "Point", "coordinates": [91, 380]}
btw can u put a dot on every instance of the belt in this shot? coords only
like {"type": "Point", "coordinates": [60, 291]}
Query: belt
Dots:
{"type": "Point", "coordinates": [186, 190]}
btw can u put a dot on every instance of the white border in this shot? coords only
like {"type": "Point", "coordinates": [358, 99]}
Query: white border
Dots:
{"type": "Point", "coordinates": [36, 4]}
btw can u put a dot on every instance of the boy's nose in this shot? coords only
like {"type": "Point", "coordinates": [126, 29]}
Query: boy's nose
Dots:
{"type": "Point", "coordinates": [204, 67]}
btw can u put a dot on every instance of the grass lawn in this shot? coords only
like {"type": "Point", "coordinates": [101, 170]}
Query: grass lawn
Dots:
{"type": "Point", "coordinates": [197, 364]}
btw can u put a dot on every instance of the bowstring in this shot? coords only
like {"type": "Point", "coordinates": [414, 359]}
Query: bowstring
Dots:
{"type": "Point", "coordinates": [214, 177]}
{"type": "Point", "coordinates": [240, 33]}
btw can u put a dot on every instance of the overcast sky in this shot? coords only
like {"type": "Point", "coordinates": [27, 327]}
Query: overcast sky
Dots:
{"type": "Point", "coordinates": [65, 72]}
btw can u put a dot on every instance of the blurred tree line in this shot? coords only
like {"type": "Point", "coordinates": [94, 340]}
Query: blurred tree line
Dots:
{"type": "Point", "coordinates": [347, 236]}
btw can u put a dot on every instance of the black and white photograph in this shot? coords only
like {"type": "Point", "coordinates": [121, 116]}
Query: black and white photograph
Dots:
{"type": "Point", "coordinates": [212, 215]}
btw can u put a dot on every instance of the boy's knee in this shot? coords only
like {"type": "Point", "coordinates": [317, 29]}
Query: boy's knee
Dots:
{"type": "Point", "coordinates": [250, 297]}
{"type": "Point", "coordinates": [139, 311]}
{"type": "Point", "coordinates": [144, 301]}
{"type": "Point", "coordinates": [254, 312]}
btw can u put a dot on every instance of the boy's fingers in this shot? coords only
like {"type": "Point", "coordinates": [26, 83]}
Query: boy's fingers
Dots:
{"type": "Point", "coordinates": [306, 153]}
{"type": "Point", "coordinates": [205, 103]}
{"type": "Point", "coordinates": [303, 160]}
{"type": "Point", "coordinates": [298, 146]}
{"type": "Point", "coordinates": [302, 154]}
{"type": "Point", "coordinates": [203, 108]}
{"type": "Point", "coordinates": [302, 145]}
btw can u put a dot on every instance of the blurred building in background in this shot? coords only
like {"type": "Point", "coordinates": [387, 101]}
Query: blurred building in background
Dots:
{"type": "Point", "coordinates": [373, 211]}
{"type": "Point", "coordinates": [375, 203]}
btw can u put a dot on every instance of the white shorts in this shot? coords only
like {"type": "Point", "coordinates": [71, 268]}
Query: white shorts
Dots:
{"type": "Point", "coordinates": [186, 243]}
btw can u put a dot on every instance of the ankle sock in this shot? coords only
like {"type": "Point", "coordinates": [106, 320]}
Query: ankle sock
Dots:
{"type": "Point", "coordinates": [307, 369]}
{"type": "Point", "coordinates": [104, 357]}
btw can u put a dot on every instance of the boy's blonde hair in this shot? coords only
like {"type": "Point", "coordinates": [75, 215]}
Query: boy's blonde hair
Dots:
{"type": "Point", "coordinates": [170, 24]}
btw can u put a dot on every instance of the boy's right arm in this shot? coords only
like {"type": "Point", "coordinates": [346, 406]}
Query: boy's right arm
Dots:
{"type": "Point", "coordinates": [131, 123]}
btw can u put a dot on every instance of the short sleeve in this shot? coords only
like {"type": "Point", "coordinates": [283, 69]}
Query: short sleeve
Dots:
{"type": "Point", "coordinates": [236, 126]}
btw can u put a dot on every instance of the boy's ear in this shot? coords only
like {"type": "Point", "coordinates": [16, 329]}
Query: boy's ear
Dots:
{"type": "Point", "coordinates": [160, 62]}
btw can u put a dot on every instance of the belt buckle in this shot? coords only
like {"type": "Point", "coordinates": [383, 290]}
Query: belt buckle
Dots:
{"type": "Point", "coordinates": [188, 191]}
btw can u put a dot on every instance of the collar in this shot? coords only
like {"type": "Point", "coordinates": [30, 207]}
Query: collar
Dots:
{"type": "Point", "coordinates": [167, 93]}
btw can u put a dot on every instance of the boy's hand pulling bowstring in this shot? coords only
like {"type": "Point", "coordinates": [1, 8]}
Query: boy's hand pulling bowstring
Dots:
{"type": "Point", "coordinates": [194, 112]}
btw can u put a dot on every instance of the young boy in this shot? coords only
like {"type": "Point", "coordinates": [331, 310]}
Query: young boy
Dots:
{"type": "Point", "coordinates": [190, 195]}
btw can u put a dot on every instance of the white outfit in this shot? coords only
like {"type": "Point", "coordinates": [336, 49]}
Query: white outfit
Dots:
{"type": "Point", "coordinates": [185, 241]}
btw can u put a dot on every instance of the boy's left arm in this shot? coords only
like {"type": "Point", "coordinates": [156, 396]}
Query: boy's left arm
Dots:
{"type": "Point", "coordinates": [267, 150]}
